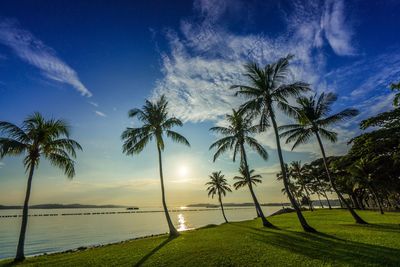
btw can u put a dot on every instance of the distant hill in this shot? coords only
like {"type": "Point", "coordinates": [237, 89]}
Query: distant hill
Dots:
{"type": "Point", "coordinates": [63, 206]}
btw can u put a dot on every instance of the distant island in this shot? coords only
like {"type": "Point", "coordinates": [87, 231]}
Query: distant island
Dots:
{"type": "Point", "coordinates": [65, 206]}
{"type": "Point", "coordinates": [234, 205]}
{"type": "Point", "coordinates": [333, 202]}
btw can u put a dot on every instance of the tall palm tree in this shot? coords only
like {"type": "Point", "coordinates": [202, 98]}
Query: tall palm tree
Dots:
{"type": "Point", "coordinates": [37, 138]}
{"type": "Point", "coordinates": [236, 135]}
{"type": "Point", "coordinates": [312, 116]}
{"type": "Point", "coordinates": [218, 186]}
{"type": "Point", "coordinates": [300, 174]}
{"type": "Point", "coordinates": [266, 91]}
{"type": "Point", "coordinates": [156, 124]}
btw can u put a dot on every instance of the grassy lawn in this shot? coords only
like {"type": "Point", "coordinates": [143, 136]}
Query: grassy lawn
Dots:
{"type": "Point", "coordinates": [339, 242]}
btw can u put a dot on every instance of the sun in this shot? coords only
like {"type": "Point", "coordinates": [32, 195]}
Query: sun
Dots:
{"type": "Point", "coordinates": [183, 171]}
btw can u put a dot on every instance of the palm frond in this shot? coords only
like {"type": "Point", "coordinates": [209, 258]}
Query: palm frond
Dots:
{"type": "Point", "coordinates": [176, 137]}
{"type": "Point", "coordinates": [11, 147]}
{"type": "Point", "coordinates": [252, 142]}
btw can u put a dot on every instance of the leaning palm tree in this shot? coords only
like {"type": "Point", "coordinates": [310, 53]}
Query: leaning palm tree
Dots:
{"type": "Point", "coordinates": [267, 90]}
{"type": "Point", "coordinates": [313, 119]}
{"type": "Point", "coordinates": [156, 124]}
{"type": "Point", "coordinates": [236, 135]}
{"type": "Point", "coordinates": [243, 181]}
{"type": "Point", "coordinates": [218, 186]}
{"type": "Point", "coordinates": [37, 138]}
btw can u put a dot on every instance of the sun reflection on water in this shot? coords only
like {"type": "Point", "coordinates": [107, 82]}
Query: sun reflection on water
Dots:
{"type": "Point", "coordinates": [182, 223]}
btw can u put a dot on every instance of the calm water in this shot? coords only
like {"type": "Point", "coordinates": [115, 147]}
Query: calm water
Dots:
{"type": "Point", "coordinates": [58, 233]}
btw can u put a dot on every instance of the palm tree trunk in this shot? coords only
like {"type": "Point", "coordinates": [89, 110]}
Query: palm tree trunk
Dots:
{"type": "Point", "coordinates": [309, 199]}
{"type": "Point", "coordinates": [357, 218]}
{"type": "Point", "coordinates": [377, 199]}
{"type": "Point", "coordinates": [320, 202]}
{"type": "Point", "coordinates": [172, 231]}
{"type": "Point", "coordinates": [20, 256]}
{"type": "Point", "coordinates": [266, 223]}
{"type": "Point", "coordinates": [222, 206]}
{"type": "Point", "coordinates": [355, 200]}
{"type": "Point", "coordinates": [300, 216]}
{"type": "Point", "coordinates": [341, 204]}
{"type": "Point", "coordinates": [324, 193]}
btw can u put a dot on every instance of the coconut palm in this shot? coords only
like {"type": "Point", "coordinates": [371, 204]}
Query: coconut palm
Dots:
{"type": "Point", "coordinates": [235, 136]}
{"type": "Point", "coordinates": [242, 180]}
{"type": "Point", "coordinates": [37, 138]}
{"type": "Point", "coordinates": [267, 91]}
{"type": "Point", "coordinates": [312, 116]}
{"type": "Point", "coordinates": [218, 186]}
{"type": "Point", "coordinates": [156, 125]}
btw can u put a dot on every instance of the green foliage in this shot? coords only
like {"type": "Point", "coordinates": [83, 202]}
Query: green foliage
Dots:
{"type": "Point", "coordinates": [217, 185]}
{"type": "Point", "coordinates": [396, 87]}
{"type": "Point", "coordinates": [156, 124]}
{"type": "Point", "coordinates": [242, 181]}
{"type": "Point", "coordinates": [267, 87]}
{"type": "Point", "coordinates": [338, 243]}
{"type": "Point", "coordinates": [238, 133]}
{"type": "Point", "coordinates": [312, 116]}
{"type": "Point", "coordinates": [37, 138]}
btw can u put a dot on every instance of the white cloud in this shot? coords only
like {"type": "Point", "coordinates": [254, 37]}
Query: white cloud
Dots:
{"type": "Point", "coordinates": [33, 51]}
{"type": "Point", "coordinates": [2, 164]}
{"type": "Point", "coordinates": [319, 23]}
{"type": "Point", "coordinates": [94, 104]}
{"type": "Point", "coordinates": [99, 113]}
{"type": "Point", "coordinates": [206, 59]}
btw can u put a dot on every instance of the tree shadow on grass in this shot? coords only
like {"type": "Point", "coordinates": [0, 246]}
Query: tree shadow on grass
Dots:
{"type": "Point", "coordinates": [329, 249]}
{"type": "Point", "coordinates": [154, 250]}
{"type": "Point", "coordinates": [382, 227]}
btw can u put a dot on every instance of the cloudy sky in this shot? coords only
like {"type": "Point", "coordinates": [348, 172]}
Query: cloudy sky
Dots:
{"type": "Point", "coordinates": [90, 63]}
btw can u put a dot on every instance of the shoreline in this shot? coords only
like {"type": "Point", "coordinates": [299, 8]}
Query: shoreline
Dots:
{"type": "Point", "coordinates": [83, 248]}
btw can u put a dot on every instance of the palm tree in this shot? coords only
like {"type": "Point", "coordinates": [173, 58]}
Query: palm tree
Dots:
{"type": "Point", "coordinates": [37, 138]}
{"type": "Point", "coordinates": [300, 174]}
{"type": "Point", "coordinates": [218, 186]}
{"type": "Point", "coordinates": [156, 124]}
{"type": "Point", "coordinates": [314, 173]}
{"type": "Point", "coordinates": [312, 117]}
{"type": "Point", "coordinates": [293, 189]}
{"type": "Point", "coordinates": [236, 135]}
{"type": "Point", "coordinates": [243, 181]}
{"type": "Point", "coordinates": [266, 91]}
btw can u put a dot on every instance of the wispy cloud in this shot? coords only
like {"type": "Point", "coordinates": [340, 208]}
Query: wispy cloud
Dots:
{"type": "Point", "coordinates": [99, 113]}
{"type": "Point", "coordinates": [94, 104]}
{"type": "Point", "coordinates": [2, 164]}
{"type": "Point", "coordinates": [205, 58]}
{"type": "Point", "coordinates": [33, 51]}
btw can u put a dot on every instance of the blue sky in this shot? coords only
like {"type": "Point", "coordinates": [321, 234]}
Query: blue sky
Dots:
{"type": "Point", "coordinates": [90, 63]}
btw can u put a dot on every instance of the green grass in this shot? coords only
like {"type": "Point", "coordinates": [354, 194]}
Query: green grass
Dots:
{"type": "Point", "coordinates": [340, 242]}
